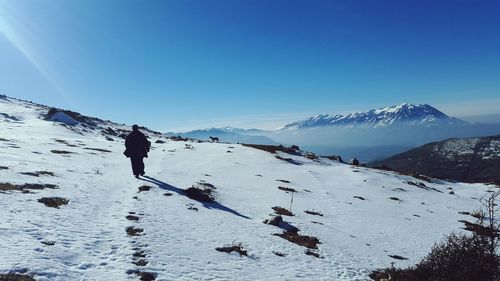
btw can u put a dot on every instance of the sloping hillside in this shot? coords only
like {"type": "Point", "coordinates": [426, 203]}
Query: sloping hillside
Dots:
{"type": "Point", "coordinates": [71, 209]}
{"type": "Point", "coordinates": [466, 160]}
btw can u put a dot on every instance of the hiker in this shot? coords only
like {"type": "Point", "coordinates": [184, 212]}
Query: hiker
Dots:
{"type": "Point", "coordinates": [355, 162]}
{"type": "Point", "coordinates": [136, 148]}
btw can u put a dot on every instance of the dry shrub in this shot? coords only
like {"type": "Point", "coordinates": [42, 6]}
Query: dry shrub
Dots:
{"type": "Point", "coordinates": [146, 276]}
{"type": "Point", "coordinates": [302, 240]}
{"type": "Point", "coordinates": [199, 194]}
{"type": "Point", "coordinates": [282, 211]}
{"type": "Point", "coordinates": [97, 149]}
{"type": "Point", "coordinates": [314, 213]}
{"type": "Point", "coordinates": [287, 189]}
{"type": "Point", "coordinates": [53, 202]}
{"type": "Point", "coordinates": [459, 258]}
{"type": "Point", "coordinates": [132, 218]}
{"type": "Point", "coordinates": [238, 248]}
{"type": "Point", "coordinates": [144, 188]}
{"type": "Point", "coordinates": [275, 148]}
{"type": "Point", "coordinates": [133, 231]}
{"type": "Point", "coordinates": [25, 187]}
{"type": "Point", "coordinates": [61, 151]}
{"type": "Point", "coordinates": [15, 277]}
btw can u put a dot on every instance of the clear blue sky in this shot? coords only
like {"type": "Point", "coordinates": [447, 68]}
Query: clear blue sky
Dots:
{"type": "Point", "coordinates": [181, 64]}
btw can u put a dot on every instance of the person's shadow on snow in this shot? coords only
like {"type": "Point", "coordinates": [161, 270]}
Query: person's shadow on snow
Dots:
{"type": "Point", "coordinates": [208, 205]}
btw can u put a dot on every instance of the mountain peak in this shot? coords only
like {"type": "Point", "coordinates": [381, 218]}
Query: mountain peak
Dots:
{"type": "Point", "coordinates": [413, 114]}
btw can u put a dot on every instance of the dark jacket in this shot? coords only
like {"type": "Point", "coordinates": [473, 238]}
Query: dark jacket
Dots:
{"type": "Point", "coordinates": [137, 145]}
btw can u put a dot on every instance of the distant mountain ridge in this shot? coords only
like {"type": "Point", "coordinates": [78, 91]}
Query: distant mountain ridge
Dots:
{"type": "Point", "coordinates": [228, 134]}
{"type": "Point", "coordinates": [407, 114]}
{"type": "Point", "coordinates": [372, 135]}
{"type": "Point", "coordinates": [465, 159]}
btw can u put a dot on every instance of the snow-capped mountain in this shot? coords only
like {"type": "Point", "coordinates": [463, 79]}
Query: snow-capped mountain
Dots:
{"type": "Point", "coordinates": [72, 210]}
{"type": "Point", "coordinates": [405, 114]}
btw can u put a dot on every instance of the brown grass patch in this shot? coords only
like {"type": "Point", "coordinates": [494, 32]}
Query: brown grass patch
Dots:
{"type": "Point", "coordinates": [282, 211]}
{"type": "Point", "coordinates": [312, 253]}
{"type": "Point", "coordinates": [284, 181]}
{"type": "Point", "coordinates": [33, 174]}
{"type": "Point", "coordinates": [144, 188]}
{"type": "Point", "coordinates": [16, 277]}
{"type": "Point", "coordinates": [133, 231]}
{"type": "Point", "coordinates": [62, 151]}
{"type": "Point", "coordinates": [140, 262]}
{"type": "Point", "coordinates": [97, 149]}
{"type": "Point", "coordinates": [65, 143]}
{"type": "Point", "coordinates": [314, 213]}
{"type": "Point", "coordinates": [206, 185]}
{"type": "Point", "coordinates": [139, 254]}
{"type": "Point", "coordinates": [61, 141]}
{"type": "Point", "coordinates": [53, 202]}
{"type": "Point", "coordinates": [288, 159]}
{"type": "Point", "coordinates": [199, 194]}
{"type": "Point", "coordinates": [234, 248]}
{"type": "Point", "coordinates": [274, 148]}
{"type": "Point", "coordinates": [25, 187]}
{"type": "Point", "coordinates": [38, 173]}
{"type": "Point", "coordinates": [287, 189]}
{"type": "Point", "coordinates": [396, 257]}
{"type": "Point", "coordinates": [302, 240]}
{"type": "Point", "coordinates": [146, 276]}
{"type": "Point", "coordinates": [9, 186]}
{"type": "Point", "coordinates": [45, 173]}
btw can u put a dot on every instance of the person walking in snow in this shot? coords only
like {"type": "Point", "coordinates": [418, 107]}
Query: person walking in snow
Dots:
{"type": "Point", "coordinates": [136, 148]}
{"type": "Point", "coordinates": [355, 162]}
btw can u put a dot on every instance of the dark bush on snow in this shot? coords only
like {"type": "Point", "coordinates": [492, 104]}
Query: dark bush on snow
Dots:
{"type": "Point", "coordinates": [295, 150]}
{"type": "Point", "coordinates": [199, 194]}
{"type": "Point", "coordinates": [53, 202]}
{"type": "Point", "coordinates": [238, 248]}
{"type": "Point", "coordinates": [459, 258]}
{"type": "Point", "coordinates": [310, 242]}
{"type": "Point", "coordinates": [15, 277]}
{"type": "Point", "coordinates": [282, 211]}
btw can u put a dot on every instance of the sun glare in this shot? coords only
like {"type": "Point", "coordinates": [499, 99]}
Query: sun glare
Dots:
{"type": "Point", "coordinates": [25, 42]}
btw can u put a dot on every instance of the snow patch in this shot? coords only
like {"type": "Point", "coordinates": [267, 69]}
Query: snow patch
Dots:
{"type": "Point", "coordinates": [63, 118]}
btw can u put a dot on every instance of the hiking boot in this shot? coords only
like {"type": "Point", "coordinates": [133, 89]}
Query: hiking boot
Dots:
{"type": "Point", "coordinates": [143, 173]}
{"type": "Point", "coordinates": [137, 176]}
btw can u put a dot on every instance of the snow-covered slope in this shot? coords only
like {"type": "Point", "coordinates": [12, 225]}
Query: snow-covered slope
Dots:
{"type": "Point", "coordinates": [407, 114]}
{"type": "Point", "coordinates": [467, 159]}
{"type": "Point", "coordinates": [368, 214]}
{"type": "Point", "coordinates": [63, 118]}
